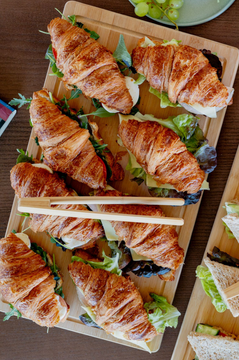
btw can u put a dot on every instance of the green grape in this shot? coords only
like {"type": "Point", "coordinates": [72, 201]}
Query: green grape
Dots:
{"type": "Point", "coordinates": [154, 12]}
{"type": "Point", "coordinates": [176, 4]}
{"type": "Point", "coordinates": [173, 14]}
{"type": "Point", "coordinates": [138, 1]}
{"type": "Point", "coordinates": [141, 9]}
{"type": "Point", "coordinates": [161, 1]}
{"type": "Point", "coordinates": [165, 5]}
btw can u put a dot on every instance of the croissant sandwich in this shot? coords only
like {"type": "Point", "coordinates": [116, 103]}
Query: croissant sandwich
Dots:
{"type": "Point", "coordinates": [222, 271]}
{"type": "Point", "coordinates": [27, 282]}
{"type": "Point", "coordinates": [181, 74]}
{"type": "Point", "coordinates": [171, 155]}
{"type": "Point", "coordinates": [31, 180]}
{"type": "Point", "coordinates": [213, 343]}
{"type": "Point", "coordinates": [89, 66]}
{"type": "Point", "coordinates": [159, 243]}
{"type": "Point", "coordinates": [67, 147]}
{"type": "Point", "coordinates": [114, 303]}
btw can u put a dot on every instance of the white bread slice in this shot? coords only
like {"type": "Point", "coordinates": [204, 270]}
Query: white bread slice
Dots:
{"type": "Point", "coordinates": [225, 276]}
{"type": "Point", "coordinates": [232, 221]}
{"type": "Point", "coordinates": [208, 347]}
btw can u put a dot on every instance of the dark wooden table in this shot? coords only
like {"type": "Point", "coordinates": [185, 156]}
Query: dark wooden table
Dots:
{"type": "Point", "coordinates": [22, 70]}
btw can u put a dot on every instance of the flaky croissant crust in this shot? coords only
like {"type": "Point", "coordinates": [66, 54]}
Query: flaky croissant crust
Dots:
{"type": "Point", "coordinates": [181, 71]}
{"type": "Point", "coordinates": [28, 284]}
{"type": "Point", "coordinates": [66, 147]}
{"type": "Point", "coordinates": [162, 154]}
{"type": "Point", "coordinates": [88, 65]}
{"type": "Point", "coordinates": [30, 181]}
{"type": "Point", "coordinates": [156, 242]}
{"type": "Point", "coordinates": [115, 301]}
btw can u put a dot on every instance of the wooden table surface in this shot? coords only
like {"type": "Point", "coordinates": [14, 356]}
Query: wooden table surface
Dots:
{"type": "Point", "coordinates": [22, 70]}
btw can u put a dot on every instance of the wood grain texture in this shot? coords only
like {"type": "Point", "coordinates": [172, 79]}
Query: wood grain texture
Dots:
{"type": "Point", "coordinates": [23, 69]}
{"type": "Point", "coordinates": [200, 308]}
{"type": "Point", "coordinates": [109, 25]}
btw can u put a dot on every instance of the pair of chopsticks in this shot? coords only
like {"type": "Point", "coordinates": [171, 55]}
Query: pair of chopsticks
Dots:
{"type": "Point", "coordinates": [43, 206]}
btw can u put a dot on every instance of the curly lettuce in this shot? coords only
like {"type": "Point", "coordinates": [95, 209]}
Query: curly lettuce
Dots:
{"type": "Point", "coordinates": [108, 264]}
{"type": "Point", "coordinates": [228, 231]}
{"type": "Point", "coordinates": [210, 288]}
{"type": "Point", "coordinates": [187, 128]}
{"type": "Point", "coordinates": [161, 314]}
{"type": "Point", "coordinates": [232, 208]}
{"type": "Point", "coordinates": [165, 102]}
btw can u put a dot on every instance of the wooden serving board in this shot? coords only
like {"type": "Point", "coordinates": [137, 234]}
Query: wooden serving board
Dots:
{"type": "Point", "coordinates": [109, 26]}
{"type": "Point", "coordinates": [200, 308]}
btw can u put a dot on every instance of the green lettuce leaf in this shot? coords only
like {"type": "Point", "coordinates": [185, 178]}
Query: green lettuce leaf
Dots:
{"type": "Point", "coordinates": [138, 173]}
{"type": "Point", "coordinates": [186, 127]}
{"type": "Point", "coordinates": [210, 288]}
{"type": "Point", "coordinates": [168, 123]}
{"type": "Point", "coordinates": [172, 42]}
{"type": "Point", "coordinates": [24, 157]}
{"type": "Point", "coordinates": [161, 314]}
{"type": "Point", "coordinates": [50, 56]}
{"type": "Point", "coordinates": [165, 102]}
{"type": "Point", "coordinates": [140, 80]}
{"type": "Point", "coordinates": [187, 124]}
{"type": "Point", "coordinates": [195, 141]}
{"type": "Point", "coordinates": [121, 53]}
{"type": "Point", "coordinates": [228, 231]}
{"type": "Point", "coordinates": [232, 208]}
{"type": "Point", "coordinates": [109, 264]}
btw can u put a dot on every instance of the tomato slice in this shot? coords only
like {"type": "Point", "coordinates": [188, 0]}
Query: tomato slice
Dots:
{"type": "Point", "coordinates": [221, 334]}
{"type": "Point", "coordinates": [104, 168]}
{"type": "Point", "coordinates": [54, 52]}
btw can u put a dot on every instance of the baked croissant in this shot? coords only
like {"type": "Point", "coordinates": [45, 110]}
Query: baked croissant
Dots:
{"type": "Point", "coordinates": [156, 242]}
{"type": "Point", "coordinates": [66, 146]}
{"type": "Point", "coordinates": [88, 65]}
{"type": "Point", "coordinates": [28, 284]}
{"type": "Point", "coordinates": [115, 301]}
{"type": "Point", "coordinates": [30, 181]}
{"type": "Point", "coordinates": [181, 71]}
{"type": "Point", "coordinates": [161, 153]}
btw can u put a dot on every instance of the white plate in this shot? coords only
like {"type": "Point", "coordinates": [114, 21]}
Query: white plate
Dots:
{"type": "Point", "coordinates": [195, 12]}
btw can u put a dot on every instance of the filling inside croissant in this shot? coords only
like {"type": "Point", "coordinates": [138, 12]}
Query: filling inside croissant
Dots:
{"type": "Point", "coordinates": [83, 63]}
{"type": "Point", "coordinates": [127, 318]}
{"type": "Point", "coordinates": [182, 76]}
{"type": "Point", "coordinates": [35, 180]}
{"type": "Point", "coordinates": [187, 128]}
{"type": "Point", "coordinates": [144, 250]}
{"type": "Point", "coordinates": [28, 284]}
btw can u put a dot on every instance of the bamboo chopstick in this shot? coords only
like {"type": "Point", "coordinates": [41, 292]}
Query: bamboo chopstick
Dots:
{"type": "Point", "coordinates": [100, 200]}
{"type": "Point", "coordinates": [39, 206]}
{"type": "Point", "coordinates": [232, 291]}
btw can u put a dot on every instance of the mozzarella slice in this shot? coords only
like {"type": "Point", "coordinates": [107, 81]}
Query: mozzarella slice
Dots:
{"type": "Point", "coordinates": [43, 166]}
{"type": "Point", "coordinates": [147, 42]}
{"type": "Point", "coordinates": [108, 228]}
{"type": "Point", "coordinates": [118, 334]}
{"type": "Point", "coordinates": [207, 111]}
{"type": "Point", "coordinates": [62, 309]}
{"type": "Point", "coordinates": [133, 90]}
{"type": "Point", "coordinates": [137, 257]}
{"type": "Point", "coordinates": [152, 183]}
{"type": "Point", "coordinates": [25, 238]}
{"type": "Point", "coordinates": [200, 110]}
{"type": "Point", "coordinates": [72, 243]}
